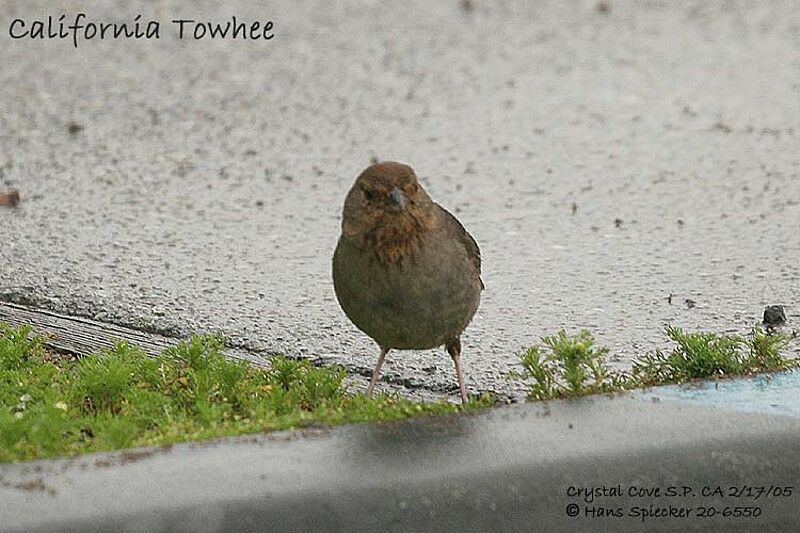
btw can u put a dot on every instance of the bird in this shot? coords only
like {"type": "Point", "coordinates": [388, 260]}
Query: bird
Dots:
{"type": "Point", "coordinates": [405, 271]}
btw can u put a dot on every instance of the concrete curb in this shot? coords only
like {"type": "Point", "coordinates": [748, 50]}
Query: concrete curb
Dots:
{"type": "Point", "coordinates": [515, 468]}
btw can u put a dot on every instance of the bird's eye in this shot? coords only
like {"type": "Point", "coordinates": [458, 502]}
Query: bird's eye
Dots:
{"type": "Point", "coordinates": [370, 195]}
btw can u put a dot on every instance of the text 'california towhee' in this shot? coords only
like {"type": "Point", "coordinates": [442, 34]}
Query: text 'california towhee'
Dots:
{"type": "Point", "coordinates": [405, 271]}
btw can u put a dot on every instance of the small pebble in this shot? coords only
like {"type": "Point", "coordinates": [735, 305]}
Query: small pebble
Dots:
{"type": "Point", "coordinates": [9, 199]}
{"type": "Point", "coordinates": [774, 316]}
{"type": "Point", "coordinates": [74, 128]}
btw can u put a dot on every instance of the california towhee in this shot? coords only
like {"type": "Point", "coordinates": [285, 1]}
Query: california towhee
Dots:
{"type": "Point", "coordinates": [405, 271]}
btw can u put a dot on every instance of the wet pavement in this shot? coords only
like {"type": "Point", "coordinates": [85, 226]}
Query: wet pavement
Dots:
{"type": "Point", "coordinates": [602, 160]}
{"type": "Point", "coordinates": [543, 466]}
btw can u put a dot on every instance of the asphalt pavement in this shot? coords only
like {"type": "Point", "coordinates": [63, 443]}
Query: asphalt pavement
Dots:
{"type": "Point", "coordinates": [649, 461]}
{"type": "Point", "coordinates": [603, 160]}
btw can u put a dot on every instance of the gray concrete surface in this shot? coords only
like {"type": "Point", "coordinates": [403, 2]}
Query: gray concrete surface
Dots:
{"type": "Point", "coordinates": [203, 190]}
{"type": "Point", "coordinates": [516, 468]}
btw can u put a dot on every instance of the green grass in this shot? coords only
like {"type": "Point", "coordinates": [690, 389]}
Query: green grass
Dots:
{"type": "Point", "coordinates": [53, 405]}
{"type": "Point", "coordinates": [568, 366]}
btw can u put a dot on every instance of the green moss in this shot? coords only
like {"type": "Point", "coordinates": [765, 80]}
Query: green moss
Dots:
{"type": "Point", "coordinates": [573, 366]}
{"type": "Point", "coordinates": [52, 405]}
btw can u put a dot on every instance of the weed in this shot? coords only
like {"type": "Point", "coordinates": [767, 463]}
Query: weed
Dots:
{"type": "Point", "coordinates": [569, 366]}
{"type": "Point", "coordinates": [121, 398]}
{"type": "Point", "coordinates": [708, 355]}
{"type": "Point", "coordinates": [574, 366]}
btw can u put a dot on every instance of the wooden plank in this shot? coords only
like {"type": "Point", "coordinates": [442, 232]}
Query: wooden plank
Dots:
{"type": "Point", "coordinates": [79, 335]}
{"type": "Point", "coordinates": [82, 336]}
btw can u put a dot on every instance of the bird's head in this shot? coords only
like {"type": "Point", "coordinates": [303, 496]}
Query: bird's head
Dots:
{"type": "Point", "coordinates": [387, 207]}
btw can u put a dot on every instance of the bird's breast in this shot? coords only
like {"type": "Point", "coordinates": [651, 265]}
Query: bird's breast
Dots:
{"type": "Point", "coordinates": [419, 302]}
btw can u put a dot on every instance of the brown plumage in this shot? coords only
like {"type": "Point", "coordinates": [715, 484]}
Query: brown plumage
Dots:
{"type": "Point", "coordinates": [405, 270]}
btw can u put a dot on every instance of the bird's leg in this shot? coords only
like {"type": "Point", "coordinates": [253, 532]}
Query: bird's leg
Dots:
{"type": "Point", "coordinates": [377, 372]}
{"type": "Point", "coordinates": [454, 349]}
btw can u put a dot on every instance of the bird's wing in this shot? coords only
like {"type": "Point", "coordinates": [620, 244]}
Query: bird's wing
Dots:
{"type": "Point", "coordinates": [455, 227]}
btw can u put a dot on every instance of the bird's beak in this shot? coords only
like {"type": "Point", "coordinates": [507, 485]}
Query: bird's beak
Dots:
{"type": "Point", "coordinates": [398, 197]}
